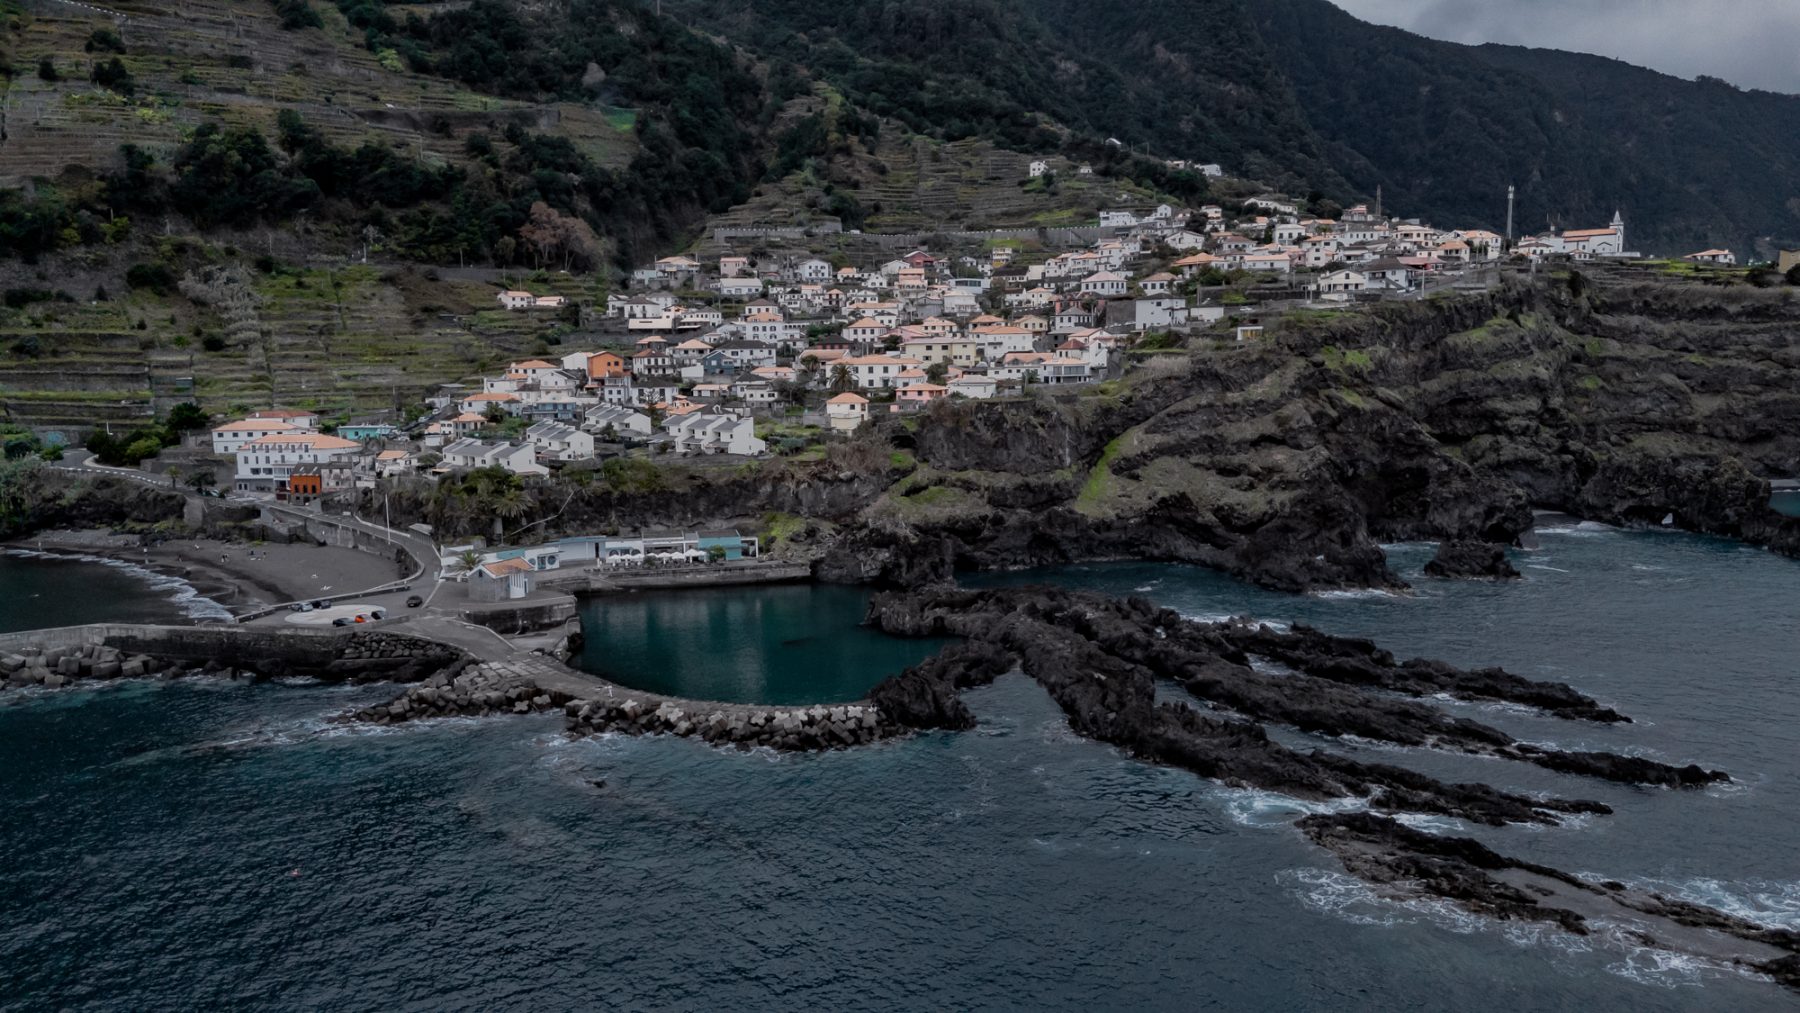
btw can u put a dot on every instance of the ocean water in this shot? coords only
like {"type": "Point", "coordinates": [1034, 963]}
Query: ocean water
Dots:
{"type": "Point", "coordinates": [208, 844]}
{"type": "Point", "coordinates": [39, 590]}
{"type": "Point", "coordinates": [779, 644]}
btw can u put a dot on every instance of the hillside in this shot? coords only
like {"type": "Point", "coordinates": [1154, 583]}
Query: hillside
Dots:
{"type": "Point", "coordinates": [1302, 95]}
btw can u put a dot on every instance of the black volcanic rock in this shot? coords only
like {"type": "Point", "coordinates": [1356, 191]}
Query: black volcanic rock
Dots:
{"type": "Point", "coordinates": [1467, 558]}
{"type": "Point", "coordinates": [1101, 659]}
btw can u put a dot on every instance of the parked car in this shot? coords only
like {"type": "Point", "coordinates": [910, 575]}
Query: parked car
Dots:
{"type": "Point", "coordinates": [414, 601]}
{"type": "Point", "coordinates": [301, 606]}
{"type": "Point", "coordinates": [342, 621]}
{"type": "Point", "coordinates": [319, 603]}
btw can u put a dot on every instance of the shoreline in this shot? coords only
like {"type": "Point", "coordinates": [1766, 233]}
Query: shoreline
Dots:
{"type": "Point", "coordinates": [237, 577]}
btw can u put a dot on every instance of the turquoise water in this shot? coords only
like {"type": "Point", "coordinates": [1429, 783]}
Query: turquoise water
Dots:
{"type": "Point", "coordinates": [775, 644]}
{"type": "Point", "coordinates": [154, 833]}
{"type": "Point", "coordinates": [1786, 503]}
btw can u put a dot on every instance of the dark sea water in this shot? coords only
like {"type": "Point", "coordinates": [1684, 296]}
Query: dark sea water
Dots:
{"type": "Point", "coordinates": [780, 644]}
{"type": "Point", "coordinates": [37, 590]}
{"type": "Point", "coordinates": [208, 845]}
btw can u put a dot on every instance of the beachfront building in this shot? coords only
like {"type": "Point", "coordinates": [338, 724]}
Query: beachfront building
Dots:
{"type": "Point", "coordinates": [264, 464]}
{"type": "Point", "coordinates": [230, 438]}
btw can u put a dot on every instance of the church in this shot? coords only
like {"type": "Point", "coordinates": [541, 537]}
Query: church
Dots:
{"type": "Point", "coordinates": [1583, 244]}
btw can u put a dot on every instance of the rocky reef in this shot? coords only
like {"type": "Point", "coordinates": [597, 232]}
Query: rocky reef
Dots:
{"type": "Point", "coordinates": [1109, 664]}
{"type": "Point", "coordinates": [1403, 862]}
{"type": "Point", "coordinates": [1103, 660]}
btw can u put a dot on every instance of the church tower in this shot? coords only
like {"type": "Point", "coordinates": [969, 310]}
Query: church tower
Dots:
{"type": "Point", "coordinates": [1618, 226]}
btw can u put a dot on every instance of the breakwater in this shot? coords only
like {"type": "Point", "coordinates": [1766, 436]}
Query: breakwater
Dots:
{"type": "Point", "coordinates": [444, 681]}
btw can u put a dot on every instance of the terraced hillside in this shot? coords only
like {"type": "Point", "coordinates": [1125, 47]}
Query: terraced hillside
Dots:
{"type": "Point", "coordinates": [338, 339]}
{"type": "Point", "coordinates": [232, 62]}
{"type": "Point", "coordinates": [911, 183]}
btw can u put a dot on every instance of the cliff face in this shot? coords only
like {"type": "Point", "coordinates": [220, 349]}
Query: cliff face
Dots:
{"type": "Point", "coordinates": [1287, 461]}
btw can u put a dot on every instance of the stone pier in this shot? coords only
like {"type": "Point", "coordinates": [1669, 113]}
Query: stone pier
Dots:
{"type": "Point", "coordinates": [450, 672]}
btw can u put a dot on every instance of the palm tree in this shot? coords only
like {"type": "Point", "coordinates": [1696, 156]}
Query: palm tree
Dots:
{"type": "Point", "coordinates": [841, 380]}
{"type": "Point", "coordinates": [467, 562]}
{"type": "Point", "coordinates": [510, 505]}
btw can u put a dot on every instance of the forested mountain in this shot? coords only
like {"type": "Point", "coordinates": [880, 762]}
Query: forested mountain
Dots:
{"type": "Point", "coordinates": [439, 127]}
{"type": "Point", "coordinates": [1302, 95]}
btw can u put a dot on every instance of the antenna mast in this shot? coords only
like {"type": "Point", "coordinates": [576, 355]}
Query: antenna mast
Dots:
{"type": "Point", "coordinates": [1509, 214]}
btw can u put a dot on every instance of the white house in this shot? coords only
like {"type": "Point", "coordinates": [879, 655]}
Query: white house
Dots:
{"type": "Point", "coordinates": [554, 441]}
{"type": "Point", "coordinates": [518, 458]}
{"type": "Point", "coordinates": [1039, 167]}
{"type": "Point", "coordinates": [846, 411]}
{"type": "Point", "coordinates": [514, 299]}
{"type": "Point", "coordinates": [703, 433]}
{"type": "Point", "coordinates": [1725, 257]}
{"type": "Point", "coordinates": [231, 437]}
{"type": "Point", "coordinates": [974, 385]}
{"type": "Point", "coordinates": [265, 464]}
{"type": "Point", "coordinates": [1104, 283]}
{"type": "Point", "coordinates": [621, 419]}
{"type": "Point", "coordinates": [739, 287]}
{"type": "Point", "coordinates": [874, 372]}
{"type": "Point", "coordinates": [1341, 286]}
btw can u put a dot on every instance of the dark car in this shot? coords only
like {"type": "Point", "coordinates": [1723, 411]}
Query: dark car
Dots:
{"type": "Point", "coordinates": [342, 621]}
{"type": "Point", "coordinates": [414, 601]}
{"type": "Point", "coordinates": [319, 603]}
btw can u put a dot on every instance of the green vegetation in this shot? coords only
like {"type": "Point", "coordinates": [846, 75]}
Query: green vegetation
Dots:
{"type": "Point", "coordinates": [1342, 360]}
{"type": "Point", "coordinates": [1099, 480]}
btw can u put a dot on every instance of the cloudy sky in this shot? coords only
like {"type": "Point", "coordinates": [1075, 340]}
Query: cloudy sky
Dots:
{"type": "Point", "coordinates": [1751, 43]}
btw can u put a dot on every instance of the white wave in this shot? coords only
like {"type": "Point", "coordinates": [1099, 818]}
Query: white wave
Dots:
{"type": "Point", "coordinates": [1274, 625]}
{"type": "Point", "coordinates": [1540, 566]}
{"type": "Point", "coordinates": [1349, 899]}
{"type": "Point", "coordinates": [1772, 904]}
{"type": "Point", "coordinates": [186, 597]}
{"type": "Point", "coordinates": [1359, 593]}
{"type": "Point", "coordinates": [1432, 823]}
{"type": "Point", "coordinates": [1345, 897]}
{"type": "Point", "coordinates": [1258, 807]}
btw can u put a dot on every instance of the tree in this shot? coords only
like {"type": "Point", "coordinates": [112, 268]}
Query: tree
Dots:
{"type": "Point", "coordinates": [841, 380]}
{"type": "Point", "coordinates": [186, 417]}
{"type": "Point", "coordinates": [715, 554]}
{"type": "Point", "coordinates": [200, 481]}
{"type": "Point", "coordinates": [466, 562]}
{"type": "Point", "coordinates": [548, 233]}
{"type": "Point", "coordinates": [937, 371]}
{"type": "Point", "coordinates": [47, 70]}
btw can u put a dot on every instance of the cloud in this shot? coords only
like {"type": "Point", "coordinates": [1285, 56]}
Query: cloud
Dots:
{"type": "Point", "coordinates": [1751, 43]}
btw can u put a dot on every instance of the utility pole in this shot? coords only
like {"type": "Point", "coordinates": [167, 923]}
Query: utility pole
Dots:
{"type": "Point", "coordinates": [1509, 214]}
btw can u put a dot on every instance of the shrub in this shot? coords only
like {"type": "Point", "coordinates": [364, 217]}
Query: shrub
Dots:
{"type": "Point", "coordinates": [156, 278]}
{"type": "Point", "coordinates": [297, 14]}
{"type": "Point", "coordinates": [104, 40]}
{"type": "Point", "coordinates": [213, 343]}
{"type": "Point", "coordinates": [113, 76]}
{"type": "Point", "coordinates": [47, 70]}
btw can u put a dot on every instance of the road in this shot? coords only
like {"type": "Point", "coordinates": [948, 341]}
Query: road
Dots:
{"type": "Point", "coordinates": [422, 549]}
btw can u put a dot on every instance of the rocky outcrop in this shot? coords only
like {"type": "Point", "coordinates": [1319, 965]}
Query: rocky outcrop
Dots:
{"type": "Point", "coordinates": [1288, 461]}
{"type": "Point", "coordinates": [1102, 659]}
{"type": "Point", "coordinates": [1403, 863]}
{"type": "Point", "coordinates": [1471, 560]}
{"type": "Point", "coordinates": [110, 651]}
